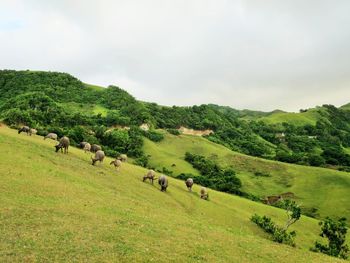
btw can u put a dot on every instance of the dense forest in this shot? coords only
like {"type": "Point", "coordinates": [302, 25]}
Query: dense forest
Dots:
{"type": "Point", "coordinates": [44, 100]}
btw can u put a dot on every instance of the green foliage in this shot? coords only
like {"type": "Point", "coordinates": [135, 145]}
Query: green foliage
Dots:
{"type": "Point", "coordinates": [293, 211]}
{"type": "Point", "coordinates": [262, 174]}
{"type": "Point", "coordinates": [118, 140]}
{"type": "Point", "coordinates": [316, 160]}
{"type": "Point", "coordinates": [154, 135]}
{"type": "Point", "coordinates": [134, 148]}
{"type": "Point", "coordinates": [279, 234]}
{"type": "Point", "coordinates": [142, 161]}
{"type": "Point", "coordinates": [213, 176]}
{"type": "Point", "coordinates": [166, 171]}
{"type": "Point", "coordinates": [173, 131]}
{"type": "Point", "coordinates": [335, 232]}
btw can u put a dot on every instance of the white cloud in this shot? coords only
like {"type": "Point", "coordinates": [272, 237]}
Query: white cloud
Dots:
{"type": "Point", "coordinates": [245, 54]}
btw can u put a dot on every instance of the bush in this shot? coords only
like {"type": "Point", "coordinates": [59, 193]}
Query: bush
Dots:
{"type": "Point", "coordinates": [335, 232]}
{"type": "Point", "coordinates": [316, 160]}
{"type": "Point", "coordinates": [167, 171]}
{"type": "Point", "coordinates": [212, 175]}
{"type": "Point", "coordinates": [173, 131]}
{"type": "Point", "coordinates": [154, 135]}
{"type": "Point", "coordinates": [185, 176]}
{"type": "Point", "coordinates": [279, 234]}
{"type": "Point", "coordinates": [262, 174]}
{"type": "Point", "coordinates": [142, 161]}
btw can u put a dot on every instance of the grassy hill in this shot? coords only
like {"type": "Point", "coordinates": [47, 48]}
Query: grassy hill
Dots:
{"type": "Point", "coordinates": [324, 189]}
{"type": "Point", "coordinates": [346, 106]}
{"type": "Point", "coordinates": [57, 207]}
{"type": "Point", "coordinates": [303, 118]}
{"type": "Point", "coordinates": [59, 102]}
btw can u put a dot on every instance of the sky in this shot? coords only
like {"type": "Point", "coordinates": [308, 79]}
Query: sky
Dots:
{"type": "Point", "coordinates": [260, 55]}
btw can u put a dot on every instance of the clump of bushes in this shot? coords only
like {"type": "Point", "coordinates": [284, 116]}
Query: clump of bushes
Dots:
{"type": "Point", "coordinates": [213, 176]}
{"type": "Point", "coordinates": [335, 232]}
{"type": "Point", "coordinates": [280, 234]}
{"type": "Point", "coordinates": [142, 161]}
{"type": "Point", "coordinates": [154, 135]}
{"type": "Point", "coordinates": [166, 171]}
{"type": "Point", "coordinates": [262, 174]}
{"type": "Point", "coordinates": [173, 131]}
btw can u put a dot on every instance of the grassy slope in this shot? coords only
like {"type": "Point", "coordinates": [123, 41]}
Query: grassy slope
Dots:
{"type": "Point", "coordinates": [57, 207]}
{"type": "Point", "coordinates": [86, 107]}
{"type": "Point", "coordinates": [346, 107]}
{"type": "Point", "coordinates": [309, 117]}
{"type": "Point", "coordinates": [325, 189]}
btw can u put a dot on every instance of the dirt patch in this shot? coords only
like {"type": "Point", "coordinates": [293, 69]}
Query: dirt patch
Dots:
{"type": "Point", "coordinates": [187, 131]}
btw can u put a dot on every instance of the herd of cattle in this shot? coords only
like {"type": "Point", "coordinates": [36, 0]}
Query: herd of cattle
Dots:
{"type": "Point", "coordinates": [63, 145]}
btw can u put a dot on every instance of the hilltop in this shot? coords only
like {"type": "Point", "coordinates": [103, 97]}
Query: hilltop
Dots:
{"type": "Point", "coordinates": [57, 207]}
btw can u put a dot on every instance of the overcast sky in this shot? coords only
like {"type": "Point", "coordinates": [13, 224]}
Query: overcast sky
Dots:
{"type": "Point", "coordinates": [260, 55]}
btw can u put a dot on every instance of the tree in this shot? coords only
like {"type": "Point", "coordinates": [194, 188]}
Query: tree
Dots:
{"type": "Point", "coordinates": [293, 212]}
{"type": "Point", "coordinates": [280, 234]}
{"type": "Point", "coordinates": [335, 232]}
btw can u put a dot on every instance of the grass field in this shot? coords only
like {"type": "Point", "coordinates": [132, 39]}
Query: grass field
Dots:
{"type": "Point", "coordinates": [57, 207]}
{"type": "Point", "coordinates": [324, 189]}
{"type": "Point", "coordinates": [93, 87]}
{"type": "Point", "coordinates": [304, 118]}
{"type": "Point", "coordinates": [85, 108]}
{"type": "Point", "coordinates": [346, 107]}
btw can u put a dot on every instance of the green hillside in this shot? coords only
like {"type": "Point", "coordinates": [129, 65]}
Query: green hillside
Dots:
{"type": "Point", "coordinates": [59, 102]}
{"type": "Point", "coordinates": [57, 207]}
{"type": "Point", "coordinates": [303, 118]}
{"type": "Point", "coordinates": [346, 106]}
{"type": "Point", "coordinates": [324, 189]}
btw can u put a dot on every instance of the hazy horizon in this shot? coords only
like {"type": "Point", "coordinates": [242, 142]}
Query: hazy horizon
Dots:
{"type": "Point", "coordinates": [244, 54]}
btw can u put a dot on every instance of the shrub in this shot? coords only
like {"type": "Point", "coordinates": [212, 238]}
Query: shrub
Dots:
{"type": "Point", "coordinates": [262, 174]}
{"type": "Point", "coordinates": [185, 176]}
{"type": "Point", "coordinates": [212, 175]}
{"type": "Point", "coordinates": [279, 234]}
{"type": "Point", "coordinates": [167, 171]}
{"type": "Point", "coordinates": [142, 161]}
{"type": "Point", "coordinates": [335, 232]}
{"type": "Point", "coordinates": [316, 160]}
{"type": "Point", "coordinates": [154, 135]}
{"type": "Point", "coordinates": [173, 131]}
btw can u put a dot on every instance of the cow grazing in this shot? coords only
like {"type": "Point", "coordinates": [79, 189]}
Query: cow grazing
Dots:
{"type": "Point", "coordinates": [99, 156]}
{"type": "Point", "coordinates": [150, 175]}
{"type": "Point", "coordinates": [117, 163]}
{"type": "Point", "coordinates": [52, 136]}
{"type": "Point", "coordinates": [63, 144]}
{"type": "Point", "coordinates": [95, 148]}
{"type": "Point", "coordinates": [25, 129]}
{"type": "Point", "coordinates": [204, 193]}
